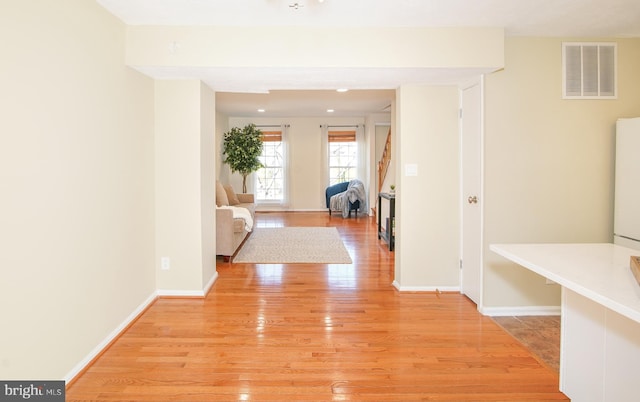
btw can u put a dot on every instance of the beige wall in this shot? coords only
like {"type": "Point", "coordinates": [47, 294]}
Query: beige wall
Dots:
{"type": "Point", "coordinates": [76, 167]}
{"type": "Point", "coordinates": [427, 205]}
{"type": "Point", "coordinates": [315, 47]}
{"type": "Point", "coordinates": [548, 162]}
{"type": "Point", "coordinates": [208, 163]}
{"type": "Point", "coordinates": [185, 201]}
{"type": "Point", "coordinates": [221, 127]}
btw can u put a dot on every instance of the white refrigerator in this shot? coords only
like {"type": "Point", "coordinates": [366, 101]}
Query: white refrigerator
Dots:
{"type": "Point", "coordinates": [626, 219]}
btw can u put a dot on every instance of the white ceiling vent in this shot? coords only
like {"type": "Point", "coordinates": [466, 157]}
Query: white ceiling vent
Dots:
{"type": "Point", "coordinates": [589, 70]}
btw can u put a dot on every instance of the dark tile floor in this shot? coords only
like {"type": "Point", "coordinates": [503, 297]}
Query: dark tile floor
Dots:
{"type": "Point", "coordinates": [540, 334]}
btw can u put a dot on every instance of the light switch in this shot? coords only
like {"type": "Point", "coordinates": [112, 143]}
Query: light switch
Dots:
{"type": "Point", "coordinates": [410, 169]}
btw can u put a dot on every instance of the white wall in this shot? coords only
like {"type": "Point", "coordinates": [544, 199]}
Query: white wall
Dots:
{"type": "Point", "coordinates": [316, 47]}
{"type": "Point", "coordinates": [427, 205]}
{"type": "Point", "coordinates": [185, 197]}
{"type": "Point", "coordinates": [548, 162]}
{"type": "Point", "coordinates": [221, 169]}
{"type": "Point", "coordinates": [76, 167]}
{"type": "Point", "coordinates": [208, 162]}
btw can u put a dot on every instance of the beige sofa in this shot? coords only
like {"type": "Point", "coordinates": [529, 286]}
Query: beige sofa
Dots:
{"type": "Point", "coordinates": [230, 231]}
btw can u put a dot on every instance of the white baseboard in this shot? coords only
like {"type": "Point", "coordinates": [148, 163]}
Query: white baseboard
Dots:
{"type": "Point", "coordinates": [107, 341]}
{"type": "Point", "coordinates": [189, 293]}
{"type": "Point", "coordinates": [488, 311]}
{"type": "Point", "coordinates": [425, 288]}
{"type": "Point", "coordinates": [310, 210]}
{"type": "Point", "coordinates": [213, 280]}
{"type": "Point", "coordinates": [268, 209]}
{"type": "Point", "coordinates": [520, 311]}
{"type": "Point", "coordinates": [180, 293]}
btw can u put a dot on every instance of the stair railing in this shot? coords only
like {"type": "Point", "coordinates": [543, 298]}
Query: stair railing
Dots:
{"type": "Point", "coordinates": [385, 160]}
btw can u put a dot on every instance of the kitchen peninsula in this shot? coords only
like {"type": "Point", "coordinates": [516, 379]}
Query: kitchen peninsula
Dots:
{"type": "Point", "coordinates": [600, 324]}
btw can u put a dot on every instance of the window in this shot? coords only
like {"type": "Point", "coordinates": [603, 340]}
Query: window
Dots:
{"type": "Point", "coordinates": [271, 177]}
{"type": "Point", "coordinates": [588, 70]}
{"type": "Point", "coordinates": [343, 156]}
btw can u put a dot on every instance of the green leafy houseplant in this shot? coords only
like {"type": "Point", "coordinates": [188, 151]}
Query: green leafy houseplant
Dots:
{"type": "Point", "coordinates": [242, 148]}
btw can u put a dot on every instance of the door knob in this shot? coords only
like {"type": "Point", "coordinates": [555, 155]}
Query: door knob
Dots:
{"type": "Point", "coordinates": [472, 199]}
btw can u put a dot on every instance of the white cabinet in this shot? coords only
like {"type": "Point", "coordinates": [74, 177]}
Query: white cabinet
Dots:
{"type": "Point", "coordinates": [599, 352]}
{"type": "Point", "coordinates": [600, 333]}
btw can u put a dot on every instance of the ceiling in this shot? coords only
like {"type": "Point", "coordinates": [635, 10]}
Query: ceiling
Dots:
{"type": "Point", "coordinates": [305, 94]}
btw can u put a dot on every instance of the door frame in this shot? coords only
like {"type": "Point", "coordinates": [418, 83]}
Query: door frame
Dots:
{"type": "Point", "coordinates": [469, 84]}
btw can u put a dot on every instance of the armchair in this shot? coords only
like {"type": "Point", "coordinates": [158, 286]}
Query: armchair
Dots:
{"type": "Point", "coordinates": [338, 189]}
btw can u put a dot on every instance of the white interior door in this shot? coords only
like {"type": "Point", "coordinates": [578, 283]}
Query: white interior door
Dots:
{"type": "Point", "coordinates": [471, 190]}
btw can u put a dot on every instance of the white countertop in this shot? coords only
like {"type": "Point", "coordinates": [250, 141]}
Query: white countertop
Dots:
{"type": "Point", "coordinates": [597, 271]}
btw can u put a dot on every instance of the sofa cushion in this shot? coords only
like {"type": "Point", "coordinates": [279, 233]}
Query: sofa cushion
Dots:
{"type": "Point", "coordinates": [231, 195]}
{"type": "Point", "coordinates": [221, 195]}
{"type": "Point", "coordinates": [238, 225]}
{"type": "Point", "coordinates": [250, 207]}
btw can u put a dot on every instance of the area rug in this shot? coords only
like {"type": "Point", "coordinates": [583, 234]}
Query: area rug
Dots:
{"type": "Point", "coordinates": [290, 245]}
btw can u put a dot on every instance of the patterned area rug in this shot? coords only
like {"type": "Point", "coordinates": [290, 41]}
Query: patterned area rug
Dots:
{"type": "Point", "coordinates": [317, 245]}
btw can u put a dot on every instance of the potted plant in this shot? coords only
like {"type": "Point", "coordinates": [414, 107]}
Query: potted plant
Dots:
{"type": "Point", "coordinates": [242, 148]}
{"type": "Point", "coordinates": [393, 188]}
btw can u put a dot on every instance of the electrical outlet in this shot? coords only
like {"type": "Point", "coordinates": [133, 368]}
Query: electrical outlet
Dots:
{"type": "Point", "coordinates": [165, 263]}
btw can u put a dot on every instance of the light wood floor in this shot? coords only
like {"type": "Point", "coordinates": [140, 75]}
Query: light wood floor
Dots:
{"type": "Point", "coordinates": [313, 332]}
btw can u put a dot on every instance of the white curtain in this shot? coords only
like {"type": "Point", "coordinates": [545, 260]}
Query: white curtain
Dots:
{"type": "Point", "coordinates": [362, 164]}
{"type": "Point", "coordinates": [362, 153]}
{"type": "Point", "coordinates": [284, 130]}
{"type": "Point", "coordinates": [324, 158]}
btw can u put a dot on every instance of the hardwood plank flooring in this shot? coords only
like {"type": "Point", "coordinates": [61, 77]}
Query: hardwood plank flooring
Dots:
{"type": "Point", "coordinates": [316, 332]}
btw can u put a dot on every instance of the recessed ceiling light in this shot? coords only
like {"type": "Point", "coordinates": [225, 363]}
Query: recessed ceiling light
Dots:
{"type": "Point", "coordinates": [342, 89]}
{"type": "Point", "coordinates": [260, 110]}
{"type": "Point", "coordinates": [330, 110]}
